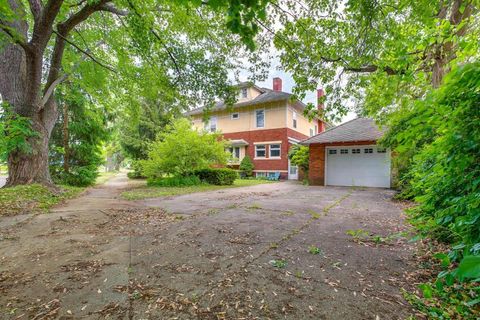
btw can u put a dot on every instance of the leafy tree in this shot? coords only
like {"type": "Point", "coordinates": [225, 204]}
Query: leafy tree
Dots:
{"type": "Point", "coordinates": [75, 144]}
{"type": "Point", "coordinates": [444, 174]}
{"type": "Point", "coordinates": [141, 124]}
{"type": "Point", "coordinates": [444, 179]}
{"type": "Point", "coordinates": [299, 156]}
{"type": "Point", "coordinates": [246, 166]}
{"type": "Point", "coordinates": [179, 48]}
{"type": "Point", "coordinates": [380, 54]}
{"type": "Point", "coordinates": [181, 150]}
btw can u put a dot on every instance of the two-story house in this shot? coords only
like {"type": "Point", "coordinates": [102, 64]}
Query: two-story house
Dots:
{"type": "Point", "coordinates": [263, 124]}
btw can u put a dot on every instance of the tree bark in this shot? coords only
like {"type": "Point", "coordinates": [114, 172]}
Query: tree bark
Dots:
{"type": "Point", "coordinates": [31, 167]}
{"type": "Point", "coordinates": [66, 151]}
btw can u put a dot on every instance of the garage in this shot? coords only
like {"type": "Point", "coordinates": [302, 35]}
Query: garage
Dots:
{"type": "Point", "coordinates": [363, 165]}
{"type": "Point", "coordinates": [348, 155]}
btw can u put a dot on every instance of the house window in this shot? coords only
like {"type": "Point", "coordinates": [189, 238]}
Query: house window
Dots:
{"type": "Point", "coordinates": [212, 124]}
{"type": "Point", "coordinates": [355, 150]}
{"type": "Point", "coordinates": [368, 150]}
{"type": "Point", "coordinates": [343, 151]}
{"type": "Point", "coordinates": [260, 118]}
{"type": "Point", "coordinates": [235, 151]}
{"type": "Point", "coordinates": [244, 92]}
{"type": "Point", "coordinates": [332, 151]}
{"type": "Point", "coordinates": [260, 151]}
{"type": "Point", "coordinates": [274, 151]}
{"type": "Point", "coordinates": [272, 174]}
{"type": "Point", "coordinates": [261, 174]}
{"type": "Point", "coordinates": [294, 119]}
{"type": "Point", "coordinates": [316, 129]}
{"type": "Point", "coordinates": [235, 116]}
{"type": "Point", "coordinates": [311, 132]}
{"type": "Point", "coordinates": [381, 150]}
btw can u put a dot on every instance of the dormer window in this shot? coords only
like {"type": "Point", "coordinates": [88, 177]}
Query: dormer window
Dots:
{"type": "Point", "coordinates": [244, 93]}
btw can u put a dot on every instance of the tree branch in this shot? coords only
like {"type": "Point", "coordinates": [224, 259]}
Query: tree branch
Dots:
{"type": "Point", "coordinates": [50, 89]}
{"type": "Point", "coordinates": [13, 34]}
{"type": "Point", "coordinates": [36, 9]}
{"type": "Point", "coordinates": [111, 8]}
{"type": "Point", "coordinates": [94, 59]}
{"type": "Point", "coordinates": [372, 68]}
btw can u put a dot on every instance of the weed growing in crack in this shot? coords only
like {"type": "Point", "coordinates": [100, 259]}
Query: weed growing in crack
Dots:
{"type": "Point", "coordinates": [298, 274]}
{"type": "Point", "coordinates": [273, 245]}
{"type": "Point", "coordinates": [288, 213]}
{"type": "Point", "coordinates": [233, 206]}
{"type": "Point", "coordinates": [213, 212]}
{"type": "Point", "coordinates": [313, 214]}
{"type": "Point", "coordinates": [278, 263]}
{"type": "Point", "coordinates": [314, 250]}
{"type": "Point", "coordinates": [254, 206]}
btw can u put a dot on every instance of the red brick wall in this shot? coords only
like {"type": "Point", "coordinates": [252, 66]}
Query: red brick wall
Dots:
{"type": "Point", "coordinates": [316, 172]}
{"type": "Point", "coordinates": [253, 136]}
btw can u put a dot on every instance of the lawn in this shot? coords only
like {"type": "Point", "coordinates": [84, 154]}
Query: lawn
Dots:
{"type": "Point", "coordinates": [145, 192]}
{"type": "Point", "coordinates": [32, 198]}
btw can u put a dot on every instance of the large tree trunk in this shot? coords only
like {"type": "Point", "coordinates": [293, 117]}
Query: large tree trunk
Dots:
{"type": "Point", "coordinates": [31, 167]}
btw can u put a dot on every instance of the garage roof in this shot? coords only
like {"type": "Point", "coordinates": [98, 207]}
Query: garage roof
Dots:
{"type": "Point", "coordinates": [360, 129]}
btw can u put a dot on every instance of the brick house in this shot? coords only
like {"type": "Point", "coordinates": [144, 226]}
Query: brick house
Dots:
{"type": "Point", "coordinates": [348, 155]}
{"type": "Point", "coordinates": [263, 124]}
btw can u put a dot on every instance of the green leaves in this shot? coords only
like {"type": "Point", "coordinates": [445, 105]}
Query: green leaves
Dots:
{"type": "Point", "coordinates": [15, 132]}
{"type": "Point", "coordinates": [181, 150]}
{"type": "Point", "coordinates": [469, 268]}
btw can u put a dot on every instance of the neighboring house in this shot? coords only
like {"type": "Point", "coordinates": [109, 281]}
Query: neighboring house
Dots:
{"type": "Point", "coordinates": [348, 155]}
{"type": "Point", "coordinates": [264, 124]}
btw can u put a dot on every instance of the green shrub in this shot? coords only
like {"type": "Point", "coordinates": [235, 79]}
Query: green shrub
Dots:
{"type": "Point", "coordinates": [136, 172]}
{"type": "Point", "coordinates": [246, 167]}
{"type": "Point", "coordinates": [181, 150]}
{"type": "Point", "coordinates": [217, 176]}
{"type": "Point", "coordinates": [174, 181]}
{"type": "Point", "coordinates": [79, 176]}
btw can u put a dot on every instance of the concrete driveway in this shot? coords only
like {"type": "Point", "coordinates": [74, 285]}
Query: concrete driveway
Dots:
{"type": "Point", "coordinates": [273, 251]}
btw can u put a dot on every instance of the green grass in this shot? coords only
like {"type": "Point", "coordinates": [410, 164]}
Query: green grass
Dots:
{"type": "Point", "coordinates": [32, 198]}
{"type": "Point", "coordinates": [155, 192]}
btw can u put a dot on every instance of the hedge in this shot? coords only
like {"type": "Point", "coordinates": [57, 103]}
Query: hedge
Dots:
{"type": "Point", "coordinates": [217, 176]}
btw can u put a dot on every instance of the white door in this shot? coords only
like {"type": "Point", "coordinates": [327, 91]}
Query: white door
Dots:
{"type": "Point", "coordinates": [367, 166]}
{"type": "Point", "coordinates": [292, 171]}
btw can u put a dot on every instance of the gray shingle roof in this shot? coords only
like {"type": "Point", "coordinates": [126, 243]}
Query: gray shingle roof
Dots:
{"type": "Point", "coordinates": [267, 96]}
{"type": "Point", "coordinates": [360, 129]}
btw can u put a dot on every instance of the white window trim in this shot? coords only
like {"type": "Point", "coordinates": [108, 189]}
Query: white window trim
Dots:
{"type": "Point", "coordinates": [270, 151]}
{"type": "Point", "coordinates": [264, 118]}
{"type": "Point", "coordinates": [238, 116]}
{"type": "Point", "coordinates": [268, 142]}
{"type": "Point", "coordinates": [258, 158]}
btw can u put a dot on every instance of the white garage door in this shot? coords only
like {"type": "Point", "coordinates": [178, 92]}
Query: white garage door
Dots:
{"type": "Point", "coordinates": [367, 166]}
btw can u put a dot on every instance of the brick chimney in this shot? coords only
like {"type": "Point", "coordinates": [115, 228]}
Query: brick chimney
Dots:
{"type": "Point", "coordinates": [277, 84]}
{"type": "Point", "coordinates": [320, 95]}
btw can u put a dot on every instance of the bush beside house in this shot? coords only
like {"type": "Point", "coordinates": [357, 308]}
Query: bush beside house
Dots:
{"type": "Point", "coordinates": [217, 176]}
{"type": "Point", "coordinates": [183, 156]}
{"type": "Point", "coordinates": [246, 167]}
